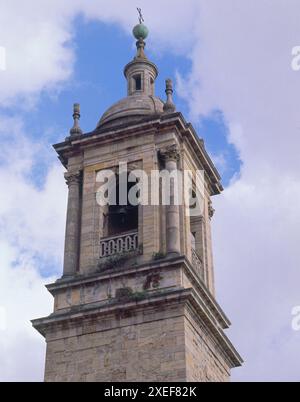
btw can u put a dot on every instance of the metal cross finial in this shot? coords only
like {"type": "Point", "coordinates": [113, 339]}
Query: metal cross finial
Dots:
{"type": "Point", "coordinates": [141, 18]}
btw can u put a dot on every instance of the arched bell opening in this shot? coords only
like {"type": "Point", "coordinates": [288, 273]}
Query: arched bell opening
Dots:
{"type": "Point", "coordinates": [122, 217]}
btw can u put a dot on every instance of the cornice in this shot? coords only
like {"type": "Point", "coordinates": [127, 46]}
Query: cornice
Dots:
{"type": "Point", "coordinates": [168, 263]}
{"type": "Point", "coordinates": [153, 124]}
{"type": "Point", "coordinates": [183, 296]}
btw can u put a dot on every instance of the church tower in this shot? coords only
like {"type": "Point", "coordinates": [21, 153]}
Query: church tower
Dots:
{"type": "Point", "coordinates": [136, 301]}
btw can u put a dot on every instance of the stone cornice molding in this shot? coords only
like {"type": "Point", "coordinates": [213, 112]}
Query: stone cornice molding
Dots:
{"type": "Point", "coordinates": [185, 297]}
{"type": "Point", "coordinates": [152, 124]}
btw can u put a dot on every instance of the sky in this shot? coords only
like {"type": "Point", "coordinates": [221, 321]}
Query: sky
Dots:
{"type": "Point", "coordinates": [231, 65]}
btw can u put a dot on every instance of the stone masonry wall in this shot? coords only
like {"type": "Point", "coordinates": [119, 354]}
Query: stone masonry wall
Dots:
{"type": "Point", "coordinates": [144, 346]}
{"type": "Point", "coordinates": [204, 359]}
{"type": "Point", "coordinates": [162, 342]}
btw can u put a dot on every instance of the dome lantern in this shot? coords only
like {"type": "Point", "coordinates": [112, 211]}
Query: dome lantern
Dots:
{"type": "Point", "coordinates": [140, 74]}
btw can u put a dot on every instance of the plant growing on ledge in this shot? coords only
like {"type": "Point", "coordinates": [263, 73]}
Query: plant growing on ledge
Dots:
{"type": "Point", "coordinates": [127, 294]}
{"type": "Point", "coordinates": [158, 256]}
{"type": "Point", "coordinates": [115, 260]}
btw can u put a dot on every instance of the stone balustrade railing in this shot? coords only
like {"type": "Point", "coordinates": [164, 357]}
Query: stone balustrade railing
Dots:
{"type": "Point", "coordinates": [197, 263]}
{"type": "Point", "coordinates": [119, 244]}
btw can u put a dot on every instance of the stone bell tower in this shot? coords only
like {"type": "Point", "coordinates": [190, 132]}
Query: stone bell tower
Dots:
{"type": "Point", "coordinates": [136, 301]}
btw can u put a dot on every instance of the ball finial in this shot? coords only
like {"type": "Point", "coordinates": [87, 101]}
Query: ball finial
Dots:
{"type": "Point", "coordinates": [140, 31]}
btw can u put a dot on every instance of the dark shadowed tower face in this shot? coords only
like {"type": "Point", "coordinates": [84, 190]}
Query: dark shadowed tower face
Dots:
{"type": "Point", "coordinates": [136, 300]}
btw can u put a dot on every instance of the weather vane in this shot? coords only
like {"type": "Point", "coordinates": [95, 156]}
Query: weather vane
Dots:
{"type": "Point", "coordinates": [141, 18]}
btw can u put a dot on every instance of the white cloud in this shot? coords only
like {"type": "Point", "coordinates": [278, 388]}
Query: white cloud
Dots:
{"type": "Point", "coordinates": [39, 57]}
{"type": "Point", "coordinates": [39, 51]}
{"type": "Point", "coordinates": [22, 294]}
{"type": "Point", "coordinates": [258, 273]}
{"type": "Point", "coordinates": [27, 212]}
{"type": "Point", "coordinates": [31, 241]}
{"type": "Point", "coordinates": [242, 66]}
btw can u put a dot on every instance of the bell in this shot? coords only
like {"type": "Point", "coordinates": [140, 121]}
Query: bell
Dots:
{"type": "Point", "coordinates": [122, 211]}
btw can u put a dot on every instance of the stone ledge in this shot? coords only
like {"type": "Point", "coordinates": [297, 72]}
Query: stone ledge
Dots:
{"type": "Point", "coordinates": [77, 280]}
{"type": "Point", "coordinates": [187, 296]}
{"type": "Point", "coordinates": [156, 123]}
{"type": "Point", "coordinates": [166, 263]}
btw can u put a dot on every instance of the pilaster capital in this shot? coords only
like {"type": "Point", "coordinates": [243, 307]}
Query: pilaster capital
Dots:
{"type": "Point", "coordinates": [170, 153]}
{"type": "Point", "coordinates": [73, 178]}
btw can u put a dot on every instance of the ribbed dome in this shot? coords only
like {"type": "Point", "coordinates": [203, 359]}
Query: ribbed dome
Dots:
{"type": "Point", "coordinates": [132, 108]}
